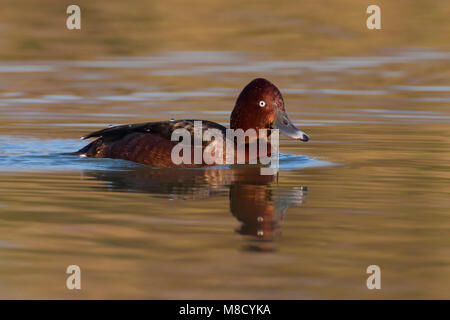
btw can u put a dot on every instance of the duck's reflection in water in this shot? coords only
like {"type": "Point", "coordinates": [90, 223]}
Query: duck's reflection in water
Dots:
{"type": "Point", "coordinates": [261, 209]}
{"type": "Point", "coordinates": [257, 201]}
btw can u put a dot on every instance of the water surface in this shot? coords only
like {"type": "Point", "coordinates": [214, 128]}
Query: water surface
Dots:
{"type": "Point", "coordinates": [370, 187]}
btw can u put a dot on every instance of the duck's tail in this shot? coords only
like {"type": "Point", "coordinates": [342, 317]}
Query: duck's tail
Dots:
{"type": "Point", "coordinates": [89, 150]}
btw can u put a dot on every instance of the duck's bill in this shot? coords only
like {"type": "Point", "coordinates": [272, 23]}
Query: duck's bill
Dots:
{"type": "Point", "coordinates": [286, 127]}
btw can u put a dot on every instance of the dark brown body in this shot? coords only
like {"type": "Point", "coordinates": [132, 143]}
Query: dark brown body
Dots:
{"type": "Point", "coordinates": [147, 143]}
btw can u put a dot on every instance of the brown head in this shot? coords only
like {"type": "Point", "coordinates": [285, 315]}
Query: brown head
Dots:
{"type": "Point", "coordinates": [260, 105]}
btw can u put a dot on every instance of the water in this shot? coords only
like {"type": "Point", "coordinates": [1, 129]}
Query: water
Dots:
{"type": "Point", "coordinates": [371, 187]}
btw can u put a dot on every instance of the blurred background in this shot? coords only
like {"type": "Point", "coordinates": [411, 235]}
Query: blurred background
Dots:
{"type": "Point", "coordinates": [371, 186]}
{"type": "Point", "coordinates": [289, 29]}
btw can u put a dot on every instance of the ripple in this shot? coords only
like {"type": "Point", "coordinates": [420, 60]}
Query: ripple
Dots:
{"type": "Point", "coordinates": [62, 97]}
{"type": "Point", "coordinates": [121, 98]}
{"type": "Point", "coordinates": [181, 95]}
{"type": "Point", "coordinates": [296, 162]}
{"type": "Point", "coordinates": [423, 88]}
{"type": "Point", "coordinates": [26, 68]}
{"type": "Point", "coordinates": [28, 100]}
{"type": "Point", "coordinates": [31, 155]}
{"type": "Point", "coordinates": [337, 91]}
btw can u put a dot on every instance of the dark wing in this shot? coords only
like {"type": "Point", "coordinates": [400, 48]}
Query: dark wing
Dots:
{"type": "Point", "coordinates": [161, 128]}
{"type": "Point", "coordinates": [148, 143]}
{"type": "Point", "coordinates": [120, 131]}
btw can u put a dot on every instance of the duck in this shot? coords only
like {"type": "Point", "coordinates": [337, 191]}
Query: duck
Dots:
{"type": "Point", "coordinates": [260, 105]}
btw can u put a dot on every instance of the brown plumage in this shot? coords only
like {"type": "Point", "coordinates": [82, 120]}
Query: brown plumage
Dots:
{"type": "Point", "coordinates": [259, 106]}
{"type": "Point", "coordinates": [147, 143]}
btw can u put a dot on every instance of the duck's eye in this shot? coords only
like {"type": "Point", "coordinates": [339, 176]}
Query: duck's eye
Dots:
{"type": "Point", "coordinates": [262, 103]}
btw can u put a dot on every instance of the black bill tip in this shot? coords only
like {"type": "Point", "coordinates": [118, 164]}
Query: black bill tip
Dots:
{"type": "Point", "coordinates": [304, 137]}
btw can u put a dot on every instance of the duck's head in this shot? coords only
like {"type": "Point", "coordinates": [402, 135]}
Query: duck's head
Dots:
{"type": "Point", "coordinates": [260, 105]}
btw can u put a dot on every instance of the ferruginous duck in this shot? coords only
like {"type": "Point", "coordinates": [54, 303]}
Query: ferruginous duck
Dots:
{"type": "Point", "coordinates": [260, 105]}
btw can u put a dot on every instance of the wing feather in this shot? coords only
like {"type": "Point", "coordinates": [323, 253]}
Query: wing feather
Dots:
{"type": "Point", "coordinates": [161, 128]}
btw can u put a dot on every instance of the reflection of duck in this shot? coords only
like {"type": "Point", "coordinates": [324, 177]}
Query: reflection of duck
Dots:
{"type": "Point", "coordinates": [261, 209]}
{"type": "Point", "coordinates": [259, 106]}
{"type": "Point", "coordinates": [254, 200]}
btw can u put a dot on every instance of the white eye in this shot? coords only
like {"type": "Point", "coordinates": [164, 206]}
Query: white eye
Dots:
{"type": "Point", "coordinates": [262, 103]}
